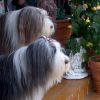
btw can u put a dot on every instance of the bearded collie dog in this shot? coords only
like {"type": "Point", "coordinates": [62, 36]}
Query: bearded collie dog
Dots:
{"type": "Point", "coordinates": [30, 71]}
{"type": "Point", "coordinates": [21, 27]}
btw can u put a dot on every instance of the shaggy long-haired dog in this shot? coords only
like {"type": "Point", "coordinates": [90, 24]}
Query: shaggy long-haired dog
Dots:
{"type": "Point", "coordinates": [30, 71]}
{"type": "Point", "coordinates": [23, 26]}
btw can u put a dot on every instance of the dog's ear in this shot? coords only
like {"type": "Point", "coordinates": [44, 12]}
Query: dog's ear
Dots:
{"type": "Point", "coordinates": [29, 51]}
{"type": "Point", "coordinates": [24, 24]}
{"type": "Point", "coordinates": [30, 24]}
{"type": "Point", "coordinates": [29, 54]}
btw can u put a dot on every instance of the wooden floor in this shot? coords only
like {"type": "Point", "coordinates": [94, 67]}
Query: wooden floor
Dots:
{"type": "Point", "coordinates": [69, 90]}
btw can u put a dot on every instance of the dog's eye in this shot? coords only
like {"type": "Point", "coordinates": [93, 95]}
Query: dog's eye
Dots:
{"type": "Point", "coordinates": [66, 61]}
{"type": "Point", "coordinates": [63, 50]}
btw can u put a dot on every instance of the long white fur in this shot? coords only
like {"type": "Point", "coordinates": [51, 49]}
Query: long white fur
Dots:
{"type": "Point", "coordinates": [12, 32]}
{"type": "Point", "coordinates": [11, 28]}
{"type": "Point", "coordinates": [44, 12]}
{"type": "Point", "coordinates": [58, 67]}
{"type": "Point", "coordinates": [47, 31]}
{"type": "Point", "coordinates": [20, 61]}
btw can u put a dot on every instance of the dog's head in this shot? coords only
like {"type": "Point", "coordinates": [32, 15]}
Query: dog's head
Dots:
{"type": "Point", "coordinates": [40, 65]}
{"type": "Point", "coordinates": [34, 21]}
{"type": "Point", "coordinates": [47, 59]}
{"type": "Point", "coordinates": [26, 25]}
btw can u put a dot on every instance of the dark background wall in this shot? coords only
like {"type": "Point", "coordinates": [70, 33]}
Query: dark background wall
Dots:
{"type": "Point", "coordinates": [31, 2]}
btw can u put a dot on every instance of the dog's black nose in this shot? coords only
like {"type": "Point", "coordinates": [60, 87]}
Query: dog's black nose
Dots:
{"type": "Point", "coordinates": [66, 61]}
{"type": "Point", "coordinates": [51, 26]}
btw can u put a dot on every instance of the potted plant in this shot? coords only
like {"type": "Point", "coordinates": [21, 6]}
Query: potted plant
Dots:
{"type": "Point", "coordinates": [85, 24]}
{"type": "Point", "coordinates": [56, 11]}
{"type": "Point", "coordinates": [75, 44]}
{"type": "Point", "coordinates": [63, 24]}
{"type": "Point", "coordinates": [94, 46]}
{"type": "Point", "coordinates": [90, 31]}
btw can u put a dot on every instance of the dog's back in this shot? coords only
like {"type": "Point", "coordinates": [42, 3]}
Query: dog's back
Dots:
{"type": "Point", "coordinates": [2, 60]}
{"type": "Point", "coordinates": [2, 76]}
{"type": "Point", "coordinates": [7, 78]}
